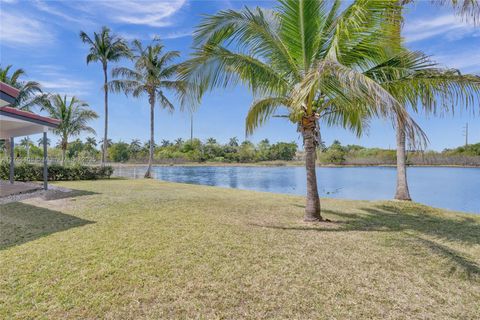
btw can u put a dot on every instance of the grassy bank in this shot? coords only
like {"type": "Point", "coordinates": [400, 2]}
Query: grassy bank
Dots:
{"type": "Point", "coordinates": [129, 249]}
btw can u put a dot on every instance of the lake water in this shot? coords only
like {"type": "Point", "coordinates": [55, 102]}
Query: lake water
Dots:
{"type": "Point", "coordinates": [449, 188]}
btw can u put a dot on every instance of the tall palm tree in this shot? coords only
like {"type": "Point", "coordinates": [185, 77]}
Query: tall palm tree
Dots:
{"type": "Point", "coordinates": [420, 84]}
{"type": "Point", "coordinates": [307, 57]}
{"type": "Point", "coordinates": [30, 91]}
{"type": "Point", "coordinates": [445, 84]}
{"type": "Point", "coordinates": [152, 74]}
{"type": "Point", "coordinates": [103, 48]}
{"type": "Point", "coordinates": [74, 116]}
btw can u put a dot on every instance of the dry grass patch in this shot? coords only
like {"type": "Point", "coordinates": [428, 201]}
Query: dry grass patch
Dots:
{"type": "Point", "coordinates": [129, 249]}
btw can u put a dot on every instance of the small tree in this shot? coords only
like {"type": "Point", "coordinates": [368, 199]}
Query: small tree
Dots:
{"type": "Point", "coordinates": [119, 152]}
{"type": "Point", "coordinates": [74, 116]}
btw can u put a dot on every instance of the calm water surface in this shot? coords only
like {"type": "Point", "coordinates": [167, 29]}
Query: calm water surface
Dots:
{"type": "Point", "coordinates": [449, 188]}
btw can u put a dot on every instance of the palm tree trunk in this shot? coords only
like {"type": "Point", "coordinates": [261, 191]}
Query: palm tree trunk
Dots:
{"type": "Point", "coordinates": [312, 208]}
{"type": "Point", "coordinates": [148, 174]}
{"type": "Point", "coordinates": [402, 192]}
{"type": "Point", "coordinates": [64, 150]}
{"type": "Point", "coordinates": [105, 135]}
{"type": "Point", "coordinates": [28, 150]}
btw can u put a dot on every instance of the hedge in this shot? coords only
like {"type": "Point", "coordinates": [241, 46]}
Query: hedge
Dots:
{"type": "Point", "coordinates": [32, 172]}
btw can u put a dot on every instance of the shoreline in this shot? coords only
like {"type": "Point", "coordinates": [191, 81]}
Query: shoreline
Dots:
{"type": "Point", "coordinates": [277, 164]}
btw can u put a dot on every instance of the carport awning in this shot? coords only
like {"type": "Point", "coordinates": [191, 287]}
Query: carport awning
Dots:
{"type": "Point", "coordinates": [15, 123]}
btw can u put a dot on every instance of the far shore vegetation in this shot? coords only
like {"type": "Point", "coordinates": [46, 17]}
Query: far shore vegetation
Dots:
{"type": "Point", "coordinates": [212, 152]}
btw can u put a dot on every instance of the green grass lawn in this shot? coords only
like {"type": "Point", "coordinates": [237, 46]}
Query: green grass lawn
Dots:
{"type": "Point", "coordinates": [129, 249]}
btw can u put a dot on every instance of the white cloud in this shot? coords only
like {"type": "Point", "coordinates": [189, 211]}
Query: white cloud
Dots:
{"type": "Point", "coordinates": [67, 86]}
{"type": "Point", "coordinates": [45, 7]}
{"type": "Point", "coordinates": [21, 30]}
{"type": "Point", "coordinates": [55, 79]}
{"type": "Point", "coordinates": [154, 14]}
{"type": "Point", "coordinates": [163, 36]}
{"type": "Point", "coordinates": [177, 34]}
{"type": "Point", "coordinates": [138, 12]}
{"type": "Point", "coordinates": [466, 61]}
{"type": "Point", "coordinates": [449, 26]}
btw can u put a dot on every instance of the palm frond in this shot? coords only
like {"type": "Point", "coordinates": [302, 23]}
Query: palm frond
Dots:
{"type": "Point", "coordinates": [215, 67]}
{"type": "Point", "coordinates": [261, 110]}
{"type": "Point", "coordinates": [255, 32]}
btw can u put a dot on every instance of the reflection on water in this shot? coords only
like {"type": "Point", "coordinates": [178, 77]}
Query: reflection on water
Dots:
{"type": "Point", "coordinates": [450, 188]}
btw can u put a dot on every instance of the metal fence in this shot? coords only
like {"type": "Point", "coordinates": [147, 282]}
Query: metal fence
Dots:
{"type": "Point", "coordinates": [39, 161]}
{"type": "Point", "coordinates": [132, 172]}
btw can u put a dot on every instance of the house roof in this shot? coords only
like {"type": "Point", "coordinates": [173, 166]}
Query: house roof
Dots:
{"type": "Point", "coordinates": [8, 94]}
{"type": "Point", "coordinates": [28, 116]}
{"type": "Point", "coordinates": [8, 89]}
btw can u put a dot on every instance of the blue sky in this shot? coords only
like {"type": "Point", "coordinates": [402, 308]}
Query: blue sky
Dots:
{"type": "Point", "coordinates": [42, 38]}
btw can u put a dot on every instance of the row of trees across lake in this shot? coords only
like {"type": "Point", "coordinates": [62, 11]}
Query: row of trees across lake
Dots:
{"type": "Point", "coordinates": [181, 151]}
{"type": "Point", "coordinates": [318, 63]}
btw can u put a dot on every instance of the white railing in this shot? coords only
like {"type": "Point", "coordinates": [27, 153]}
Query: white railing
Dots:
{"type": "Point", "coordinates": [132, 172]}
{"type": "Point", "coordinates": [83, 161]}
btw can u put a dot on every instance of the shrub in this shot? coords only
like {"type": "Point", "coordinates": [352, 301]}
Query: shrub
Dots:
{"type": "Point", "coordinates": [119, 152]}
{"type": "Point", "coordinates": [31, 172]}
{"type": "Point", "coordinates": [334, 154]}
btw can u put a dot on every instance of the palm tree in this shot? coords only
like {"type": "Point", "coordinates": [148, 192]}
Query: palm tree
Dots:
{"type": "Point", "coordinates": [135, 147]}
{"type": "Point", "coordinates": [418, 83]}
{"type": "Point", "coordinates": [153, 73]}
{"type": "Point", "coordinates": [30, 91]}
{"type": "Point", "coordinates": [165, 143]}
{"type": "Point", "coordinates": [105, 47]}
{"type": "Point", "coordinates": [74, 116]}
{"type": "Point", "coordinates": [40, 142]}
{"type": "Point", "coordinates": [211, 141]}
{"type": "Point", "coordinates": [90, 146]}
{"type": "Point", "coordinates": [446, 85]}
{"type": "Point", "coordinates": [108, 144]}
{"type": "Point", "coordinates": [178, 142]}
{"type": "Point", "coordinates": [233, 142]}
{"type": "Point", "coordinates": [26, 143]}
{"type": "Point", "coordinates": [307, 57]}
{"type": "Point", "coordinates": [90, 142]}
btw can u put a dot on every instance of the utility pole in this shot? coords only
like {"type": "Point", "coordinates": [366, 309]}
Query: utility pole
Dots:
{"type": "Point", "coordinates": [465, 133]}
{"type": "Point", "coordinates": [191, 126]}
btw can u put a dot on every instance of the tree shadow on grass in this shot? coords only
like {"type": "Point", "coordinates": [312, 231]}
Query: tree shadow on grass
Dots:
{"type": "Point", "coordinates": [414, 217]}
{"type": "Point", "coordinates": [398, 217]}
{"type": "Point", "coordinates": [21, 222]}
{"type": "Point", "coordinates": [404, 217]}
{"type": "Point", "coordinates": [468, 267]}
